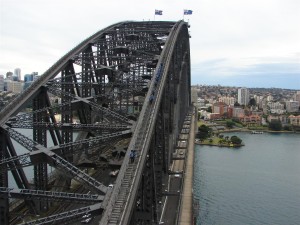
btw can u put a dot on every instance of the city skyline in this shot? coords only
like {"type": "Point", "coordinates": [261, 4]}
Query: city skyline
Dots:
{"type": "Point", "coordinates": [246, 44]}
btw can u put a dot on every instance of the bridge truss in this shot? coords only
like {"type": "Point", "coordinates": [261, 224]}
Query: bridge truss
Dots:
{"type": "Point", "coordinates": [127, 87]}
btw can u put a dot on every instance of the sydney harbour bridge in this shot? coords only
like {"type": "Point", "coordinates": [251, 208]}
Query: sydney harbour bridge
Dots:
{"type": "Point", "coordinates": [65, 141]}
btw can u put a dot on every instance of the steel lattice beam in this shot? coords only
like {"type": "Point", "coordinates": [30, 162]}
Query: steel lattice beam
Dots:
{"type": "Point", "coordinates": [40, 195]}
{"type": "Point", "coordinates": [128, 82]}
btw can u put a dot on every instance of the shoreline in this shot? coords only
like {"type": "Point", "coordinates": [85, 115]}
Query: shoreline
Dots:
{"type": "Point", "coordinates": [217, 145]}
{"type": "Point", "coordinates": [248, 130]}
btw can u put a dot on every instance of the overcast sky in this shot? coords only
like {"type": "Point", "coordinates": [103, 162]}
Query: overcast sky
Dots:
{"type": "Point", "coordinates": [250, 43]}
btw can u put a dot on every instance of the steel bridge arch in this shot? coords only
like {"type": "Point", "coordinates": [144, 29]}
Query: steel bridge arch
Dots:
{"type": "Point", "coordinates": [129, 81]}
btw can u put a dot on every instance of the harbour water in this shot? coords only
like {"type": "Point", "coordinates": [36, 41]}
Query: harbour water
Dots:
{"type": "Point", "coordinates": [257, 184]}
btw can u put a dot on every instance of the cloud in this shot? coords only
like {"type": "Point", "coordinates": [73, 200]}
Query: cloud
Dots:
{"type": "Point", "coordinates": [249, 72]}
{"type": "Point", "coordinates": [229, 37]}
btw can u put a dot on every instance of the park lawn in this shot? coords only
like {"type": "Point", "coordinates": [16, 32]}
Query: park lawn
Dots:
{"type": "Point", "coordinates": [215, 141]}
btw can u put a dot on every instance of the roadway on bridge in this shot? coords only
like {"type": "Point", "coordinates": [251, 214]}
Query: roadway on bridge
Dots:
{"type": "Point", "coordinates": [186, 212]}
{"type": "Point", "coordinates": [181, 182]}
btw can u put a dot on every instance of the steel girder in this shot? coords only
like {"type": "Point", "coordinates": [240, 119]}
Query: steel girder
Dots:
{"type": "Point", "coordinates": [124, 195]}
{"type": "Point", "coordinates": [106, 84]}
{"type": "Point", "coordinates": [4, 207]}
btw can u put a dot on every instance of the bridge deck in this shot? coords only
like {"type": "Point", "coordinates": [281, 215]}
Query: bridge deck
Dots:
{"type": "Point", "coordinates": [186, 210]}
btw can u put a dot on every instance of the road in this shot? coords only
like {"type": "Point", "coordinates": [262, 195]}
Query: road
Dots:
{"type": "Point", "coordinates": [174, 186]}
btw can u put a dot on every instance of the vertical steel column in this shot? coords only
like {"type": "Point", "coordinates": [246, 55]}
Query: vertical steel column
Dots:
{"type": "Point", "coordinates": [144, 211]}
{"type": "Point", "coordinates": [4, 206]}
{"type": "Point", "coordinates": [158, 172]}
{"type": "Point", "coordinates": [87, 74]}
{"type": "Point", "coordinates": [66, 111]}
{"type": "Point", "coordinates": [101, 61]}
{"type": "Point", "coordinates": [40, 136]}
{"type": "Point", "coordinates": [167, 108]}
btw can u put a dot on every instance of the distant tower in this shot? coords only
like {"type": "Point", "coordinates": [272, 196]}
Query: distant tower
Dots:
{"type": "Point", "coordinates": [17, 73]}
{"type": "Point", "coordinates": [9, 75]}
{"type": "Point", "coordinates": [243, 96]}
{"type": "Point", "coordinates": [28, 79]}
{"type": "Point", "coordinates": [1, 83]}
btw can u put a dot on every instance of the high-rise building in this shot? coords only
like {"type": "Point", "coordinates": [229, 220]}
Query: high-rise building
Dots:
{"type": "Point", "coordinates": [17, 73]}
{"type": "Point", "coordinates": [297, 96]}
{"type": "Point", "coordinates": [243, 96]}
{"type": "Point", "coordinates": [292, 106]}
{"type": "Point", "coordinates": [28, 79]}
{"type": "Point", "coordinates": [9, 75]}
{"type": "Point", "coordinates": [14, 86]}
{"type": "Point", "coordinates": [1, 83]}
{"type": "Point", "coordinates": [220, 108]}
{"type": "Point", "coordinates": [227, 100]}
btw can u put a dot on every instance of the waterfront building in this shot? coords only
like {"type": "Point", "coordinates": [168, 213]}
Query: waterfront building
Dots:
{"type": "Point", "coordinates": [252, 120]}
{"type": "Point", "coordinates": [259, 113]}
{"type": "Point", "coordinates": [292, 106]}
{"type": "Point", "coordinates": [237, 112]}
{"type": "Point", "coordinates": [282, 118]}
{"type": "Point", "coordinates": [243, 96]}
{"type": "Point", "coordinates": [230, 111]}
{"type": "Point", "coordinates": [220, 108]}
{"type": "Point", "coordinates": [204, 114]}
{"type": "Point", "coordinates": [213, 116]}
{"type": "Point", "coordinates": [294, 120]}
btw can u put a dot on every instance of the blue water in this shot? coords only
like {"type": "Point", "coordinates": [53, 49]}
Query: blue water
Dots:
{"type": "Point", "coordinates": [256, 184]}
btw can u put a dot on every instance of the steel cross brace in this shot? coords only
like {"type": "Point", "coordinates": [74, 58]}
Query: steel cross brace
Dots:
{"type": "Point", "coordinates": [56, 160]}
{"type": "Point", "coordinates": [94, 105]}
{"type": "Point", "coordinates": [44, 195]}
{"type": "Point", "coordinates": [75, 214]}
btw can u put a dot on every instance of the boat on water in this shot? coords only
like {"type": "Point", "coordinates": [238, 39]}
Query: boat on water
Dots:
{"type": "Point", "coordinates": [257, 132]}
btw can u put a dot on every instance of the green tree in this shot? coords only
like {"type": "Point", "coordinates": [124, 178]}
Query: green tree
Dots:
{"type": "Point", "coordinates": [288, 127]}
{"type": "Point", "coordinates": [236, 104]}
{"type": "Point", "coordinates": [275, 125]}
{"type": "Point", "coordinates": [209, 109]}
{"type": "Point", "coordinates": [229, 124]}
{"type": "Point", "coordinates": [252, 102]}
{"type": "Point", "coordinates": [204, 132]}
{"type": "Point", "coordinates": [236, 140]}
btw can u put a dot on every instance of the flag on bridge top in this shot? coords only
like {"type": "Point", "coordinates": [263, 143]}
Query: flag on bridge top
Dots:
{"type": "Point", "coordinates": [187, 12]}
{"type": "Point", "coordinates": [158, 12]}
